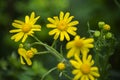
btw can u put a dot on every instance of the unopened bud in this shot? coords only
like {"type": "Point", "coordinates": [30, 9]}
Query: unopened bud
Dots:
{"type": "Point", "coordinates": [108, 35]}
{"type": "Point", "coordinates": [101, 24]}
{"type": "Point", "coordinates": [97, 33]}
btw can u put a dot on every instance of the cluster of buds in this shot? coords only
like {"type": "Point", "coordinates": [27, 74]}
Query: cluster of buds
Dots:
{"type": "Point", "coordinates": [104, 28]}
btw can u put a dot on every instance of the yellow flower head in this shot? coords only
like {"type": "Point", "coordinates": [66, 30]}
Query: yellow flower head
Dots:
{"type": "Point", "coordinates": [79, 45]}
{"type": "Point", "coordinates": [62, 26]}
{"type": "Point", "coordinates": [61, 66]}
{"type": "Point", "coordinates": [26, 54]}
{"type": "Point", "coordinates": [25, 28]}
{"type": "Point", "coordinates": [106, 27]}
{"type": "Point", "coordinates": [84, 69]}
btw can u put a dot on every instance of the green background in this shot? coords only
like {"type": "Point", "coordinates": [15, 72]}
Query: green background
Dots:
{"type": "Point", "coordinates": [84, 11]}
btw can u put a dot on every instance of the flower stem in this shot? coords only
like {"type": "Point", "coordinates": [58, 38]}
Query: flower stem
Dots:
{"type": "Point", "coordinates": [49, 48]}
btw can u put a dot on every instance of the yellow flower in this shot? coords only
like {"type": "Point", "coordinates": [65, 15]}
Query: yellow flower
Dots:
{"type": "Point", "coordinates": [61, 66]}
{"type": "Point", "coordinates": [25, 28]}
{"type": "Point", "coordinates": [26, 54]}
{"type": "Point", "coordinates": [106, 27]}
{"type": "Point", "coordinates": [62, 26]}
{"type": "Point", "coordinates": [79, 45]}
{"type": "Point", "coordinates": [84, 69]}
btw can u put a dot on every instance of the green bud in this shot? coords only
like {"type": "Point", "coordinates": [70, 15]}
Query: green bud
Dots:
{"type": "Point", "coordinates": [97, 33]}
{"type": "Point", "coordinates": [108, 35]}
{"type": "Point", "coordinates": [101, 24]}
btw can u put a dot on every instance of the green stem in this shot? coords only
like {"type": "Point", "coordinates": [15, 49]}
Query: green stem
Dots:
{"type": "Point", "coordinates": [67, 76]}
{"type": "Point", "coordinates": [49, 48]}
{"type": "Point", "coordinates": [44, 52]}
{"type": "Point", "coordinates": [48, 72]}
{"type": "Point", "coordinates": [53, 44]}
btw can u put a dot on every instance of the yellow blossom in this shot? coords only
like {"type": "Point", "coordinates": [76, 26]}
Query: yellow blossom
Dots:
{"type": "Point", "coordinates": [106, 27]}
{"type": "Point", "coordinates": [79, 45]}
{"type": "Point", "coordinates": [61, 66]}
{"type": "Point", "coordinates": [84, 69]}
{"type": "Point", "coordinates": [23, 29]}
{"type": "Point", "coordinates": [62, 26]}
{"type": "Point", "coordinates": [26, 54]}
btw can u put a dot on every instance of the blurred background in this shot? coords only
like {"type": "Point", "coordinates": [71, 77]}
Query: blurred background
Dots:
{"type": "Point", "coordinates": [84, 11]}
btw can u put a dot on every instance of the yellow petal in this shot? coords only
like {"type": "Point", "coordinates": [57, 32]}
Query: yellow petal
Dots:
{"type": "Point", "coordinates": [15, 30]}
{"type": "Point", "coordinates": [71, 52]}
{"type": "Point", "coordinates": [66, 36]}
{"type": "Point", "coordinates": [53, 31]}
{"type": "Point", "coordinates": [71, 32]}
{"type": "Point", "coordinates": [69, 19]}
{"type": "Point", "coordinates": [34, 50]}
{"type": "Point", "coordinates": [36, 27]}
{"type": "Point", "coordinates": [29, 62]}
{"type": "Point", "coordinates": [19, 36]}
{"type": "Point", "coordinates": [91, 77]}
{"type": "Point", "coordinates": [19, 22]}
{"type": "Point", "coordinates": [73, 23]}
{"type": "Point", "coordinates": [77, 76]}
{"type": "Point", "coordinates": [77, 37]}
{"type": "Point", "coordinates": [32, 16]}
{"type": "Point", "coordinates": [51, 20]}
{"type": "Point", "coordinates": [56, 19]}
{"type": "Point", "coordinates": [57, 35]}
{"type": "Point", "coordinates": [16, 25]}
{"type": "Point", "coordinates": [26, 19]}
{"type": "Point", "coordinates": [32, 22]}
{"type": "Point", "coordinates": [92, 63]}
{"type": "Point", "coordinates": [89, 58]}
{"type": "Point", "coordinates": [70, 45]}
{"type": "Point", "coordinates": [51, 26]}
{"type": "Point", "coordinates": [61, 36]}
{"type": "Point", "coordinates": [95, 74]}
{"type": "Point", "coordinates": [24, 38]}
{"type": "Point", "coordinates": [89, 40]}
{"type": "Point", "coordinates": [75, 64]}
{"type": "Point", "coordinates": [66, 16]}
{"type": "Point", "coordinates": [78, 59]}
{"type": "Point", "coordinates": [21, 60]}
{"type": "Point", "coordinates": [94, 69]}
{"type": "Point", "coordinates": [75, 71]}
{"type": "Point", "coordinates": [21, 51]}
{"type": "Point", "coordinates": [89, 45]}
{"type": "Point", "coordinates": [61, 15]}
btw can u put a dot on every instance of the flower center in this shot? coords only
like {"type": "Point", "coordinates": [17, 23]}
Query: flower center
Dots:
{"type": "Point", "coordinates": [85, 68]}
{"type": "Point", "coordinates": [26, 28]}
{"type": "Point", "coordinates": [79, 43]}
{"type": "Point", "coordinates": [62, 25]}
{"type": "Point", "coordinates": [29, 54]}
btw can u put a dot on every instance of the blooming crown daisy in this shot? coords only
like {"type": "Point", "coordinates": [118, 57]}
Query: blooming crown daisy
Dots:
{"type": "Point", "coordinates": [26, 54]}
{"type": "Point", "coordinates": [79, 45]}
{"type": "Point", "coordinates": [84, 69]}
{"type": "Point", "coordinates": [62, 26]}
{"type": "Point", "coordinates": [25, 28]}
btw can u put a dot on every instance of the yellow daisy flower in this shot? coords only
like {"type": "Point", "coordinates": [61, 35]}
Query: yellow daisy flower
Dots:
{"type": "Point", "coordinates": [62, 26]}
{"type": "Point", "coordinates": [84, 69]}
{"type": "Point", "coordinates": [61, 66]}
{"type": "Point", "coordinates": [25, 28]}
{"type": "Point", "coordinates": [79, 45]}
{"type": "Point", "coordinates": [26, 54]}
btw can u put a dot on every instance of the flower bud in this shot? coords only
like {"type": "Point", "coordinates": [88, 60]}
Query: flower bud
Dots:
{"type": "Point", "coordinates": [108, 35]}
{"type": "Point", "coordinates": [101, 24]}
{"type": "Point", "coordinates": [106, 27]}
{"type": "Point", "coordinates": [61, 66]}
{"type": "Point", "coordinates": [97, 33]}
